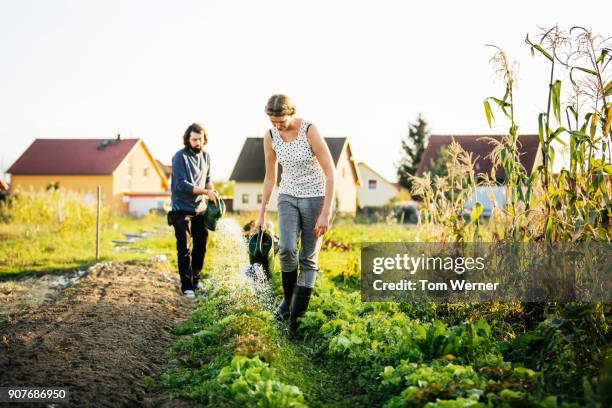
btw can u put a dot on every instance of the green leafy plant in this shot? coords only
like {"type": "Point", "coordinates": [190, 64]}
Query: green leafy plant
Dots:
{"type": "Point", "coordinates": [254, 383]}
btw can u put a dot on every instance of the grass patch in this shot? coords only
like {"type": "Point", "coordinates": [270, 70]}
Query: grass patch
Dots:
{"type": "Point", "coordinates": [57, 231]}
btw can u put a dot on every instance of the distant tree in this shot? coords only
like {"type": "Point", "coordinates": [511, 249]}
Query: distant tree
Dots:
{"type": "Point", "coordinates": [439, 166]}
{"type": "Point", "coordinates": [413, 147]}
{"type": "Point", "coordinates": [224, 187]}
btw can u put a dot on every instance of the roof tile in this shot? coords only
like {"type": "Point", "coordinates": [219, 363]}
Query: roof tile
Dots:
{"type": "Point", "coordinates": [73, 156]}
{"type": "Point", "coordinates": [480, 148]}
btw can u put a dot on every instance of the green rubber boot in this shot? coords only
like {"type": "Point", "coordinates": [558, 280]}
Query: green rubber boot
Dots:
{"type": "Point", "coordinates": [299, 304]}
{"type": "Point", "coordinates": [282, 311]}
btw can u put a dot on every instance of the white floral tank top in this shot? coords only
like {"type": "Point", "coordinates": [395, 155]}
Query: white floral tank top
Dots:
{"type": "Point", "coordinates": [302, 174]}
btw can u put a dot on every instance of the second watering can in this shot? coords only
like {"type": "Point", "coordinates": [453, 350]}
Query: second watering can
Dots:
{"type": "Point", "coordinates": [263, 246]}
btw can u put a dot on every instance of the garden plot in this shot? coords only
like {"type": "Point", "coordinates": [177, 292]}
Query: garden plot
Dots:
{"type": "Point", "coordinates": [100, 338]}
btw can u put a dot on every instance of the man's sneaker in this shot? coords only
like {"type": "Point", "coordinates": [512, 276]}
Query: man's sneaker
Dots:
{"type": "Point", "coordinates": [199, 286]}
{"type": "Point", "coordinates": [189, 294]}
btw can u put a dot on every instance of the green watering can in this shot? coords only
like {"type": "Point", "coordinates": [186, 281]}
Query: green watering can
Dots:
{"type": "Point", "coordinates": [213, 213]}
{"type": "Point", "coordinates": [263, 246]}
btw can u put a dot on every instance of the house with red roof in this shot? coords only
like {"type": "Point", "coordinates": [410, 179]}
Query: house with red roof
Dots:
{"type": "Point", "coordinates": [132, 180]}
{"type": "Point", "coordinates": [480, 147]}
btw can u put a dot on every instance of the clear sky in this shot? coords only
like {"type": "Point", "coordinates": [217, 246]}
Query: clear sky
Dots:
{"type": "Point", "coordinates": [362, 69]}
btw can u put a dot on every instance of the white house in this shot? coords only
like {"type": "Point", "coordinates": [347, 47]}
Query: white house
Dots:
{"type": "Point", "coordinates": [142, 203]}
{"type": "Point", "coordinates": [375, 190]}
{"type": "Point", "coordinates": [249, 172]}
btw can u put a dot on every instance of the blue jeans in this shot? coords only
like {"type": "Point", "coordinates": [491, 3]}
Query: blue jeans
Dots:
{"type": "Point", "coordinates": [297, 218]}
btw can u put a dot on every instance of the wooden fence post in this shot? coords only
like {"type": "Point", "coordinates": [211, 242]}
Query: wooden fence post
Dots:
{"type": "Point", "coordinates": [99, 198]}
{"type": "Point", "coordinates": [60, 209]}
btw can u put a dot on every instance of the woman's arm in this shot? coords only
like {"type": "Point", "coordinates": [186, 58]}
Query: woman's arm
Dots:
{"type": "Point", "coordinates": [321, 152]}
{"type": "Point", "coordinates": [270, 178]}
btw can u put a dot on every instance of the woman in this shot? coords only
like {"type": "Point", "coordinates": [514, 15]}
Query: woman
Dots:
{"type": "Point", "coordinates": [305, 197]}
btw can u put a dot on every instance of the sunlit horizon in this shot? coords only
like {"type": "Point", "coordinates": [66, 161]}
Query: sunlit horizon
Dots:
{"type": "Point", "coordinates": [358, 69]}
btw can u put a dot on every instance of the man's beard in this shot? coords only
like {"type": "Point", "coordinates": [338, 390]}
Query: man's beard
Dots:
{"type": "Point", "coordinates": [196, 150]}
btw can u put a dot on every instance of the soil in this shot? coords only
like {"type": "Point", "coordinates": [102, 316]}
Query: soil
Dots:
{"type": "Point", "coordinates": [99, 338]}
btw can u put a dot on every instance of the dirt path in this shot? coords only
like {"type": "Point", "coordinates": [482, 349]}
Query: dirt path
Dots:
{"type": "Point", "coordinates": [100, 338]}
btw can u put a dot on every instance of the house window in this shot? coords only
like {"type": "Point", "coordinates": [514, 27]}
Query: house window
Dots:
{"type": "Point", "coordinates": [145, 172]}
{"type": "Point", "coordinates": [372, 184]}
{"type": "Point", "coordinates": [245, 199]}
{"type": "Point", "coordinates": [129, 170]}
{"type": "Point", "coordinates": [259, 198]}
{"type": "Point", "coordinates": [344, 172]}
